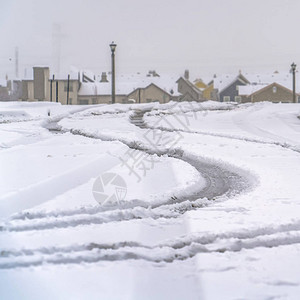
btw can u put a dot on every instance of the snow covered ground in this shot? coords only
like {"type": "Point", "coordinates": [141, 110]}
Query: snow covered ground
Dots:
{"type": "Point", "coordinates": [205, 202]}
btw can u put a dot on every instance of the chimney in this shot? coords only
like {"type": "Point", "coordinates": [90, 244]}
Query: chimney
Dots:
{"type": "Point", "coordinates": [187, 74]}
{"type": "Point", "coordinates": [103, 77]}
{"type": "Point", "coordinates": [40, 83]}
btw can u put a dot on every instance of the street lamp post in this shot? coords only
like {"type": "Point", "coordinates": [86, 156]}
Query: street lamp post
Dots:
{"type": "Point", "coordinates": [293, 65]}
{"type": "Point", "coordinates": [113, 87]}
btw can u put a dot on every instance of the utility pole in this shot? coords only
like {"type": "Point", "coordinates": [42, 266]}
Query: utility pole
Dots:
{"type": "Point", "coordinates": [139, 95]}
{"type": "Point", "coordinates": [51, 83]}
{"type": "Point", "coordinates": [56, 90]}
{"type": "Point", "coordinates": [293, 65]}
{"type": "Point", "coordinates": [113, 86]}
{"type": "Point", "coordinates": [68, 87]}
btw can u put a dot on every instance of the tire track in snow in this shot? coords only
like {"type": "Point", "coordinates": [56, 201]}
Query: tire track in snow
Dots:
{"type": "Point", "coordinates": [166, 211]}
{"type": "Point", "coordinates": [166, 252]}
{"type": "Point", "coordinates": [228, 136]}
{"type": "Point", "coordinates": [222, 182]}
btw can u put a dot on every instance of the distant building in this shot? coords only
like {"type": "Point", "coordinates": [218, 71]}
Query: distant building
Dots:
{"type": "Point", "coordinates": [151, 93]}
{"type": "Point", "coordinates": [275, 87]}
{"type": "Point", "coordinates": [273, 92]}
{"type": "Point", "coordinates": [10, 90]}
{"type": "Point", "coordinates": [210, 93]}
{"type": "Point", "coordinates": [200, 84]}
{"type": "Point", "coordinates": [85, 89]}
{"type": "Point", "coordinates": [41, 88]}
{"type": "Point", "coordinates": [228, 87]}
{"type": "Point", "coordinates": [188, 91]}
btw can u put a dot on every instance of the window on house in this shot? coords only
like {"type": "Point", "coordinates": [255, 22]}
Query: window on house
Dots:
{"type": "Point", "coordinates": [226, 98]}
{"type": "Point", "coordinates": [238, 99]}
{"type": "Point", "coordinates": [94, 101]}
{"type": "Point", "coordinates": [70, 100]}
{"type": "Point", "coordinates": [83, 102]}
{"type": "Point", "coordinates": [148, 100]}
{"type": "Point", "coordinates": [274, 89]}
{"type": "Point", "coordinates": [124, 101]}
{"type": "Point", "coordinates": [66, 86]}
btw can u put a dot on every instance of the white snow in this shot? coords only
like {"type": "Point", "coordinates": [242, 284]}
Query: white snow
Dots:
{"type": "Point", "coordinates": [160, 242]}
{"type": "Point", "coordinates": [126, 84]}
{"type": "Point", "coordinates": [246, 90]}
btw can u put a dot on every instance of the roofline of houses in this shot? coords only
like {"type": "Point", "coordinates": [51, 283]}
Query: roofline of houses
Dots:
{"type": "Point", "coordinates": [243, 80]}
{"type": "Point", "coordinates": [272, 84]}
{"type": "Point", "coordinates": [190, 84]}
{"type": "Point", "coordinates": [144, 88]}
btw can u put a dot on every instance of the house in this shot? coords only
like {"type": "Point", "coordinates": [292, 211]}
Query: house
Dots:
{"type": "Point", "coordinates": [273, 92]}
{"type": "Point", "coordinates": [41, 88]}
{"type": "Point", "coordinates": [210, 93]}
{"type": "Point", "coordinates": [151, 93]}
{"type": "Point", "coordinates": [188, 91]}
{"type": "Point", "coordinates": [100, 93]}
{"type": "Point", "coordinates": [275, 87]}
{"type": "Point", "coordinates": [200, 84]}
{"type": "Point", "coordinates": [154, 88]}
{"type": "Point", "coordinates": [10, 90]}
{"type": "Point", "coordinates": [84, 88]}
{"type": "Point", "coordinates": [4, 90]}
{"type": "Point", "coordinates": [246, 90]}
{"type": "Point", "coordinates": [228, 87]}
{"type": "Point", "coordinates": [138, 88]}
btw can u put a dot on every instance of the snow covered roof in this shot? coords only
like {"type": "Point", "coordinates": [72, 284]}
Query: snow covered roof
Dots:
{"type": "Point", "coordinates": [164, 81]}
{"type": "Point", "coordinates": [103, 88]}
{"type": "Point", "coordinates": [3, 82]}
{"type": "Point", "coordinates": [284, 79]}
{"type": "Point", "coordinates": [223, 81]}
{"type": "Point", "coordinates": [191, 85]}
{"type": "Point", "coordinates": [127, 83]}
{"type": "Point", "coordinates": [257, 81]}
{"type": "Point", "coordinates": [245, 90]}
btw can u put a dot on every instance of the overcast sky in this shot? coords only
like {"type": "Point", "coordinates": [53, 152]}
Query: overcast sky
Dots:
{"type": "Point", "coordinates": [207, 37]}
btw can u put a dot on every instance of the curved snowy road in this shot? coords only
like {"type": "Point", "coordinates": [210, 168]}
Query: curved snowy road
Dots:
{"type": "Point", "coordinates": [187, 242]}
{"type": "Point", "coordinates": [219, 180]}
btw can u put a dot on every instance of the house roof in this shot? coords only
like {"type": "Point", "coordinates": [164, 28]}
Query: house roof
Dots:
{"type": "Point", "coordinates": [126, 84]}
{"type": "Point", "coordinates": [3, 82]}
{"type": "Point", "coordinates": [102, 88]}
{"type": "Point", "coordinates": [273, 84]}
{"type": "Point", "coordinates": [284, 79]}
{"type": "Point", "coordinates": [259, 81]}
{"type": "Point", "coordinates": [256, 89]}
{"type": "Point", "coordinates": [246, 90]}
{"type": "Point", "coordinates": [191, 85]}
{"type": "Point", "coordinates": [153, 84]}
{"type": "Point", "coordinates": [224, 81]}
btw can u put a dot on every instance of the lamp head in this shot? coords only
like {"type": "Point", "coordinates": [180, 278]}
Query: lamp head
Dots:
{"type": "Point", "coordinates": [113, 46]}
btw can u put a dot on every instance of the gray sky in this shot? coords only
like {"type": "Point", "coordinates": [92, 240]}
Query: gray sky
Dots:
{"type": "Point", "coordinates": [207, 37]}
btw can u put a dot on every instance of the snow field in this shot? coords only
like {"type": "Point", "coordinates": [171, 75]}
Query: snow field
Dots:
{"type": "Point", "coordinates": [245, 243]}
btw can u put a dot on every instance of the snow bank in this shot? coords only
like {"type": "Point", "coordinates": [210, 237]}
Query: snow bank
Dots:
{"type": "Point", "coordinates": [7, 116]}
